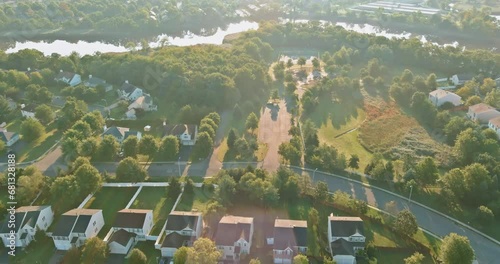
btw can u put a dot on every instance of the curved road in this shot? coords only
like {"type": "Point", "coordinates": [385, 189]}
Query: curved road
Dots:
{"type": "Point", "coordinates": [487, 252]}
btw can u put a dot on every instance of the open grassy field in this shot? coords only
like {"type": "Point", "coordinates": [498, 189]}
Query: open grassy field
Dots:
{"type": "Point", "coordinates": [156, 199]}
{"type": "Point", "coordinates": [110, 200]}
{"type": "Point", "coordinates": [196, 201]}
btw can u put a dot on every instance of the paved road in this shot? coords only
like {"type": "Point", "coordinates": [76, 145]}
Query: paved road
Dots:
{"type": "Point", "coordinates": [273, 130]}
{"type": "Point", "coordinates": [487, 252]}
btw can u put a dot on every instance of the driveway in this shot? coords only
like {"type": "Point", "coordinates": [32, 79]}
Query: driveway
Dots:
{"type": "Point", "coordinates": [487, 252]}
{"type": "Point", "coordinates": [273, 130]}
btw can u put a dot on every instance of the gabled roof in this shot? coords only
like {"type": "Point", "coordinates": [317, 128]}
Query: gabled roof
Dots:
{"type": "Point", "coordinates": [465, 76]}
{"type": "Point", "coordinates": [64, 225]}
{"type": "Point", "coordinates": [67, 75]}
{"type": "Point", "coordinates": [94, 81]}
{"type": "Point", "coordinates": [131, 133]}
{"type": "Point", "coordinates": [179, 220]}
{"type": "Point", "coordinates": [344, 247]}
{"type": "Point", "coordinates": [82, 223]}
{"type": "Point", "coordinates": [345, 226]}
{"type": "Point", "coordinates": [289, 233]}
{"type": "Point", "coordinates": [25, 215]}
{"type": "Point", "coordinates": [176, 240]}
{"type": "Point", "coordinates": [121, 237]}
{"type": "Point", "coordinates": [128, 88]}
{"type": "Point", "coordinates": [6, 136]}
{"type": "Point", "coordinates": [440, 93]}
{"type": "Point", "coordinates": [71, 222]}
{"type": "Point", "coordinates": [131, 218]}
{"type": "Point", "coordinates": [117, 132]}
{"type": "Point", "coordinates": [495, 121]}
{"type": "Point", "coordinates": [179, 129]}
{"type": "Point", "coordinates": [232, 228]}
{"type": "Point", "coordinates": [481, 107]}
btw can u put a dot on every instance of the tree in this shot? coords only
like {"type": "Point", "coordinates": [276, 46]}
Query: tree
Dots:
{"type": "Point", "coordinates": [129, 170]}
{"type": "Point", "coordinates": [203, 146]}
{"type": "Point", "coordinates": [226, 191]}
{"type": "Point", "coordinates": [3, 147]}
{"type": "Point", "coordinates": [289, 63]}
{"type": "Point", "coordinates": [174, 188]}
{"type": "Point", "coordinates": [431, 82]}
{"type": "Point", "coordinates": [137, 257]}
{"type": "Point", "coordinates": [31, 129]}
{"type": "Point", "coordinates": [406, 223]}
{"type": "Point", "coordinates": [315, 63]}
{"type": "Point", "coordinates": [300, 259]}
{"type": "Point", "coordinates": [203, 251]}
{"type": "Point", "coordinates": [44, 113]}
{"type": "Point", "coordinates": [252, 122]}
{"type": "Point", "coordinates": [88, 178]}
{"type": "Point", "coordinates": [95, 121]}
{"type": "Point", "coordinates": [72, 256]}
{"type": "Point", "coordinates": [290, 153]}
{"type": "Point", "coordinates": [426, 171]}
{"type": "Point", "coordinates": [493, 98]}
{"type": "Point", "coordinates": [455, 126]}
{"type": "Point", "coordinates": [108, 148]}
{"type": "Point", "coordinates": [354, 162]}
{"type": "Point", "coordinates": [231, 138]}
{"type": "Point", "coordinates": [208, 129]}
{"type": "Point", "coordinates": [94, 251]}
{"type": "Point", "coordinates": [180, 255]}
{"type": "Point", "coordinates": [129, 146]}
{"type": "Point", "coordinates": [473, 100]}
{"type": "Point", "coordinates": [416, 258]}
{"type": "Point", "coordinates": [301, 61]}
{"type": "Point", "coordinates": [88, 147]}
{"type": "Point", "coordinates": [65, 191]}
{"type": "Point", "coordinates": [321, 191]}
{"type": "Point", "coordinates": [312, 234]}
{"type": "Point", "coordinates": [487, 86]}
{"type": "Point", "coordinates": [254, 261]}
{"type": "Point", "coordinates": [484, 215]}
{"type": "Point", "coordinates": [215, 117]}
{"type": "Point", "coordinates": [456, 249]}
{"type": "Point", "coordinates": [170, 147]}
{"type": "Point", "coordinates": [29, 184]}
{"type": "Point", "coordinates": [148, 146]}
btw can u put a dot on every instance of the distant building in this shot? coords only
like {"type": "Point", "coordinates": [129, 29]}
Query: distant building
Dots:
{"type": "Point", "coordinates": [130, 226]}
{"type": "Point", "coordinates": [187, 134]}
{"type": "Point", "coordinates": [28, 111]}
{"type": "Point", "coordinates": [345, 237]}
{"type": "Point", "coordinates": [289, 239]}
{"type": "Point", "coordinates": [460, 79]}
{"type": "Point", "coordinates": [69, 78]}
{"type": "Point", "coordinates": [76, 226]}
{"type": "Point", "coordinates": [234, 236]}
{"type": "Point", "coordinates": [28, 221]}
{"type": "Point", "coordinates": [144, 102]}
{"type": "Point", "coordinates": [482, 113]}
{"type": "Point", "coordinates": [182, 229]}
{"type": "Point", "coordinates": [129, 92]}
{"type": "Point", "coordinates": [121, 133]}
{"type": "Point", "coordinates": [93, 82]}
{"type": "Point", "coordinates": [9, 138]}
{"type": "Point", "coordinates": [439, 97]}
{"type": "Point", "coordinates": [494, 124]}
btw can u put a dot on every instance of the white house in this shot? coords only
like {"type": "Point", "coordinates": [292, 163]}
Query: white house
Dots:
{"type": "Point", "coordinates": [289, 239]}
{"type": "Point", "coordinates": [76, 226]}
{"type": "Point", "coordinates": [29, 220]}
{"type": "Point", "coordinates": [459, 79]}
{"type": "Point", "coordinates": [28, 111]}
{"type": "Point", "coordinates": [93, 82]}
{"type": "Point", "coordinates": [187, 134]}
{"type": "Point", "coordinates": [121, 133]}
{"type": "Point", "coordinates": [234, 236]}
{"type": "Point", "coordinates": [482, 113]}
{"type": "Point", "coordinates": [345, 237]}
{"type": "Point", "coordinates": [181, 229]}
{"type": "Point", "coordinates": [136, 221]}
{"type": "Point", "coordinates": [121, 241]}
{"type": "Point", "coordinates": [439, 97]}
{"type": "Point", "coordinates": [494, 124]}
{"type": "Point", "coordinates": [129, 92]}
{"type": "Point", "coordinates": [9, 138]}
{"type": "Point", "coordinates": [69, 78]}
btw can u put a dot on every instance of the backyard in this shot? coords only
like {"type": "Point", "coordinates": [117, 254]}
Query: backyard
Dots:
{"type": "Point", "coordinates": [156, 199]}
{"type": "Point", "coordinates": [196, 201]}
{"type": "Point", "coordinates": [110, 200]}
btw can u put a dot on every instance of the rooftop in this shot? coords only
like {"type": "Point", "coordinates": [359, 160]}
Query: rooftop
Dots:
{"type": "Point", "coordinates": [481, 107]}
{"type": "Point", "coordinates": [289, 233]}
{"type": "Point", "coordinates": [345, 226]}
{"type": "Point", "coordinates": [131, 218]}
{"type": "Point", "coordinates": [439, 93]}
{"type": "Point", "coordinates": [121, 237]}
{"type": "Point", "coordinates": [232, 228]}
{"type": "Point", "coordinates": [179, 220]}
{"type": "Point", "coordinates": [495, 121]}
{"type": "Point", "coordinates": [176, 240]}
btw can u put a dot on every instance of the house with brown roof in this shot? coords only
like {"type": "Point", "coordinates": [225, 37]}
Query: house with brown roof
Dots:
{"type": "Point", "coordinates": [76, 226]}
{"type": "Point", "coordinates": [494, 124]}
{"type": "Point", "coordinates": [482, 113]}
{"type": "Point", "coordinates": [181, 229]}
{"type": "Point", "coordinates": [289, 239]}
{"type": "Point", "coordinates": [439, 97]}
{"type": "Point", "coordinates": [187, 134]}
{"type": "Point", "coordinates": [234, 236]}
{"type": "Point", "coordinates": [9, 138]}
{"type": "Point", "coordinates": [69, 78]}
{"type": "Point", "coordinates": [144, 102]}
{"type": "Point", "coordinates": [345, 238]}
{"type": "Point", "coordinates": [28, 221]}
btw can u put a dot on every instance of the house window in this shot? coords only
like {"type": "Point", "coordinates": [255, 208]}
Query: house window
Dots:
{"type": "Point", "coordinates": [94, 223]}
{"type": "Point", "coordinates": [43, 218]}
{"type": "Point", "coordinates": [95, 230]}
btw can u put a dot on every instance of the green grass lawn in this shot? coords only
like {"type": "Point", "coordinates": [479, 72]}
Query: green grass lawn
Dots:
{"type": "Point", "coordinates": [156, 199]}
{"type": "Point", "coordinates": [385, 255]}
{"type": "Point", "coordinates": [196, 201]}
{"type": "Point", "coordinates": [148, 248]}
{"type": "Point", "coordinates": [110, 200]}
{"type": "Point", "coordinates": [349, 144]}
{"type": "Point", "coordinates": [37, 252]}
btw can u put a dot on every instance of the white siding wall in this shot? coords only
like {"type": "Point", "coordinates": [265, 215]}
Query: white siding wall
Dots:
{"type": "Point", "coordinates": [93, 230]}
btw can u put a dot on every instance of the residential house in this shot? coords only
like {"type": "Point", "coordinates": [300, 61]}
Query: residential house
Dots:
{"type": "Point", "coordinates": [28, 111]}
{"type": "Point", "coordinates": [121, 133]}
{"type": "Point", "coordinates": [439, 97]}
{"type": "Point", "coordinates": [187, 134]}
{"type": "Point", "coordinates": [9, 138]}
{"type": "Point", "coordinates": [345, 237]}
{"type": "Point", "coordinates": [129, 91]}
{"type": "Point", "coordinates": [460, 79]}
{"type": "Point", "coordinates": [289, 239]}
{"type": "Point", "coordinates": [69, 78]}
{"type": "Point", "coordinates": [121, 241]}
{"type": "Point", "coordinates": [28, 221]}
{"type": "Point", "coordinates": [234, 236]}
{"type": "Point", "coordinates": [76, 226]}
{"type": "Point", "coordinates": [482, 113]}
{"type": "Point", "coordinates": [182, 229]}
{"type": "Point", "coordinates": [144, 102]}
{"type": "Point", "coordinates": [93, 82]}
{"type": "Point", "coordinates": [137, 221]}
{"type": "Point", "coordinates": [494, 124]}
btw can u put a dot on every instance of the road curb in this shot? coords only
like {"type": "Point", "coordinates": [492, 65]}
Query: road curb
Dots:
{"type": "Point", "coordinates": [404, 198]}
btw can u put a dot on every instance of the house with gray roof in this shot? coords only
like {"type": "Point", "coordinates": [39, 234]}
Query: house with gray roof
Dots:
{"type": "Point", "coordinates": [28, 221]}
{"type": "Point", "coordinates": [181, 229]}
{"type": "Point", "coordinates": [129, 92]}
{"type": "Point", "coordinates": [137, 221]}
{"type": "Point", "coordinates": [76, 226]}
{"type": "Point", "coordinates": [289, 239]}
{"type": "Point", "coordinates": [93, 82]}
{"type": "Point", "coordinates": [234, 236]}
{"type": "Point", "coordinates": [187, 134]}
{"type": "Point", "coordinates": [121, 241]}
{"type": "Point", "coordinates": [121, 133]}
{"type": "Point", "coordinates": [345, 237]}
{"type": "Point", "coordinates": [9, 138]}
{"type": "Point", "coordinates": [69, 78]}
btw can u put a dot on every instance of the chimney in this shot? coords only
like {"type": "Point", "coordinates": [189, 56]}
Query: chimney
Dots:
{"type": "Point", "coordinates": [29, 69]}
{"type": "Point", "coordinates": [60, 70]}
{"type": "Point", "coordinates": [90, 76]}
{"type": "Point", "coordinates": [126, 81]}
